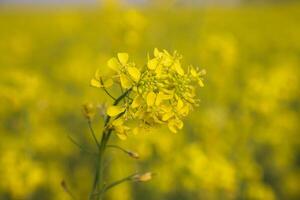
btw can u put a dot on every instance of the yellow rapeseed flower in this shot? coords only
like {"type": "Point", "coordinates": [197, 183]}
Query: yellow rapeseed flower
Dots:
{"type": "Point", "coordinates": [160, 93]}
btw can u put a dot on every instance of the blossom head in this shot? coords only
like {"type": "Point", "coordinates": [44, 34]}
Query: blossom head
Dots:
{"type": "Point", "coordinates": [160, 93]}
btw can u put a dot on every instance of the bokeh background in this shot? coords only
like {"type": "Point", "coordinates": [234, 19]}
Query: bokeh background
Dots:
{"type": "Point", "coordinates": [241, 143]}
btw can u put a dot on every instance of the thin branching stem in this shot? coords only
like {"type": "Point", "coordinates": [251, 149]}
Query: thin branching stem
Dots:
{"type": "Point", "coordinates": [128, 178]}
{"type": "Point", "coordinates": [127, 152]}
{"type": "Point", "coordinates": [101, 149]}
{"type": "Point", "coordinates": [93, 133]}
{"type": "Point", "coordinates": [117, 147]}
{"type": "Point", "coordinates": [67, 190]}
{"type": "Point", "coordinates": [105, 90]}
{"type": "Point", "coordinates": [80, 146]}
{"type": "Point", "coordinates": [118, 182]}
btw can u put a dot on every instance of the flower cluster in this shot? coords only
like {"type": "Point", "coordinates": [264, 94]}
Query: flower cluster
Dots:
{"type": "Point", "coordinates": [162, 92]}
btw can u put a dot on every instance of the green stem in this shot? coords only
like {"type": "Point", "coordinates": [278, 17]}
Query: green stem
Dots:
{"type": "Point", "coordinates": [117, 147]}
{"type": "Point", "coordinates": [128, 178]}
{"type": "Point", "coordinates": [93, 133]}
{"type": "Point", "coordinates": [101, 149]}
{"type": "Point", "coordinates": [106, 188]}
{"type": "Point", "coordinates": [101, 81]}
{"type": "Point", "coordinates": [80, 146]}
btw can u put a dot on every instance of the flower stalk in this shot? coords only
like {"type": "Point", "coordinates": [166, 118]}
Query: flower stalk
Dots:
{"type": "Point", "coordinates": [97, 184]}
{"type": "Point", "coordinates": [162, 92]}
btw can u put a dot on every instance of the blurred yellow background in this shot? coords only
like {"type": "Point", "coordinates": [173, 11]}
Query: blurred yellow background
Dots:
{"type": "Point", "coordinates": [241, 143]}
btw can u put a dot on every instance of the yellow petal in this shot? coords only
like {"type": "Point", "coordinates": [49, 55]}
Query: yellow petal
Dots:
{"type": "Point", "coordinates": [98, 74]}
{"type": "Point", "coordinates": [95, 83]}
{"type": "Point", "coordinates": [175, 124]}
{"type": "Point", "coordinates": [108, 83]}
{"type": "Point", "coordinates": [184, 111]}
{"type": "Point", "coordinates": [178, 68]}
{"type": "Point", "coordinates": [160, 97]}
{"type": "Point", "coordinates": [157, 53]}
{"type": "Point", "coordinates": [156, 120]}
{"type": "Point", "coordinates": [169, 92]}
{"type": "Point", "coordinates": [200, 82]}
{"type": "Point", "coordinates": [194, 72]}
{"type": "Point", "coordinates": [166, 108]}
{"type": "Point", "coordinates": [114, 110]}
{"type": "Point", "coordinates": [137, 130]}
{"type": "Point", "coordinates": [134, 73]}
{"type": "Point", "coordinates": [152, 64]}
{"type": "Point", "coordinates": [172, 126]}
{"type": "Point", "coordinates": [89, 110]}
{"type": "Point", "coordinates": [140, 114]}
{"type": "Point", "coordinates": [167, 61]}
{"type": "Point", "coordinates": [202, 72]}
{"type": "Point", "coordinates": [179, 104]}
{"type": "Point", "coordinates": [118, 122]}
{"type": "Point", "coordinates": [113, 63]}
{"type": "Point", "coordinates": [122, 136]}
{"type": "Point", "coordinates": [167, 53]}
{"type": "Point", "coordinates": [179, 124]}
{"type": "Point", "coordinates": [167, 116]}
{"type": "Point", "coordinates": [151, 98]}
{"type": "Point", "coordinates": [136, 101]}
{"type": "Point", "coordinates": [123, 58]}
{"type": "Point", "coordinates": [158, 70]}
{"type": "Point", "coordinates": [125, 82]}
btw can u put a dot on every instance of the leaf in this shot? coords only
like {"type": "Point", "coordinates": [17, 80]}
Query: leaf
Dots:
{"type": "Point", "coordinates": [125, 82]}
{"type": "Point", "coordinates": [115, 110]}
{"type": "Point", "coordinates": [134, 73]}
{"type": "Point", "coordinates": [123, 58]}
{"type": "Point", "coordinates": [152, 63]}
{"type": "Point", "coordinates": [113, 63]}
{"type": "Point", "coordinates": [151, 98]}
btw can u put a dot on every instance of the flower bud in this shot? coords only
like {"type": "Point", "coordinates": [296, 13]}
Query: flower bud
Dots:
{"type": "Point", "coordinates": [143, 177]}
{"type": "Point", "coordinates": [133, 154]}
{"type": "Point", "coordinates": [89, 110]}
